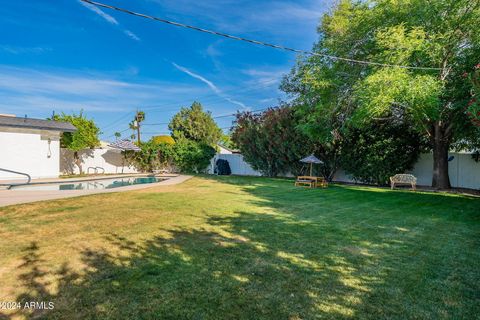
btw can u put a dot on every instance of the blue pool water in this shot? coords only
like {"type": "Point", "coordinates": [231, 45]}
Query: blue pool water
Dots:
{"type": "Point", "coordinates": [92, 184]}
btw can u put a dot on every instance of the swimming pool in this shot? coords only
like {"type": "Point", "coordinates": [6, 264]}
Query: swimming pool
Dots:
{"type": "Point", "coordinates": [96, 184]}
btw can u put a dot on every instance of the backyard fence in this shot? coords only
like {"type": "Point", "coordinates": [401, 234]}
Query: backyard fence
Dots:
{"type": "Point", "coordinates": [109, 160]}
{"type": "Point", "coordinates": [238, 166]}
{"type": "Point", "coordinates": [464, 171]}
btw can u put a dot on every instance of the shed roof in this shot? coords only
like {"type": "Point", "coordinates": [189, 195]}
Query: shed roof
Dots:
{"type": "Point", "coordinates": [29, 123]}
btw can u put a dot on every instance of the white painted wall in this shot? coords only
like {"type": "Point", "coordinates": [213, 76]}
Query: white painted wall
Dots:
{"type": "Point", "coordinates": [237, 165]}
{"type": "Point", "coordinates": [223, 150]}
{"type": "Point", "coordinates": [35, 152]}
{"type": "Point", "coordinates": [109, 159]}
{"type": "Point", "coordinates": [464, 171]}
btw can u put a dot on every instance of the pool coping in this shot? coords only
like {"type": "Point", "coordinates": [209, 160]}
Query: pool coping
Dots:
{"type": "Point", "coordinates": [22, 196]}
{"type": "Point", "coordinates": [90, 178]}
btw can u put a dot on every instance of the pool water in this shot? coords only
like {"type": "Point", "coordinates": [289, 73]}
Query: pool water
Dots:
{"type": "Point", "coordinates": [92, 184]}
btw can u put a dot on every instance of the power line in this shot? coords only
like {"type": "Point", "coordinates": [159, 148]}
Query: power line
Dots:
{"type": "Point", "coordinates": [215, 117]}
{"type": "Point", "coordinates": [213, 97]}
{"type": "Point", "coordinates": [257, 42]}
{"type": "Point", "coordinates": [223, 128]}
{"type": "Point", "coordinates": [112, 135]}
{"type": "Point", "coordinates": [117, 120]}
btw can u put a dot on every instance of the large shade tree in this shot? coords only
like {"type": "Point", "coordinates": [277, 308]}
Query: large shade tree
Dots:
{"type": "Point", "coordinates": [441, 34]}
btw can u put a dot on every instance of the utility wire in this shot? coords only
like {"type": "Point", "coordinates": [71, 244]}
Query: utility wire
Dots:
{"type": "Point", "coordinates": [215, 117]}
{"type": "Point", "coordinates": [223, 128]}
{"type": "Point", "coordinates": [213, 97]}
{"type": "Point", "coordinates": [257, 42]}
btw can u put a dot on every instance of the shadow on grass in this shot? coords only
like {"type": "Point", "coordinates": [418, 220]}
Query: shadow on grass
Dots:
{"type": "Point", "coordinates": [337, 253]}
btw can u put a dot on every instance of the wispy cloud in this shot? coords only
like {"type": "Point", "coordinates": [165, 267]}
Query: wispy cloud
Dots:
{"type": "Point", "coordinates": [24, 50]}
{"type": "Point", "coordinates": [100, 12]}
{"type": "Point", "coordinates": [26, 90]}
{"type": "Point", "coordinates": [268, 77]}
{"type": "Point", "coordinates": [210, 84]}
{"type": "Point", "coordinates": [279, 19]}
{"type": "Point", "coordinates": [109, 19]}
{"type": "Point", "coordinates": [131, 35]}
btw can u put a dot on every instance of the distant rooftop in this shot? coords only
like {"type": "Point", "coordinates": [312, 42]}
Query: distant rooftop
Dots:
{"type": "Point", "coordinates": [29, 123]}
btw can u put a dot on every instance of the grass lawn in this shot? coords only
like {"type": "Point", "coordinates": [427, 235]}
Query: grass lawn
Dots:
{"type": "Point", "coordinates": [244, 248]}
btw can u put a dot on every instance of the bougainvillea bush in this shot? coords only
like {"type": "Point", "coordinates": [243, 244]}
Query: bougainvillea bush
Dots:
{"type": "Point", "coordinates": [271, 141]}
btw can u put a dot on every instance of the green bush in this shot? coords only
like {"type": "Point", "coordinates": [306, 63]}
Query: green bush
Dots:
{"type": "Point", "coordinates": [192, 156]}
{"type": "Point", "coordinates": [377, 151]}
{"type": "Point", "coordinates": [271, 141]}
{"type": "Point", "coordinates": [147, 159]}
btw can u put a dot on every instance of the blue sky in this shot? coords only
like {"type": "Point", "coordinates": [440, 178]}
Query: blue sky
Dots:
{"type": "Point", "coordinates": [67, 56]}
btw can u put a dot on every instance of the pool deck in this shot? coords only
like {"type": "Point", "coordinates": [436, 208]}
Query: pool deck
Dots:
{"type": "Point", "coordinates": [20, 196]}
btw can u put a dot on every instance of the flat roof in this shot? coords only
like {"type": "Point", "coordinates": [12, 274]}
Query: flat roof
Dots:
{"type": "Point", "coordinates": [41, 124]}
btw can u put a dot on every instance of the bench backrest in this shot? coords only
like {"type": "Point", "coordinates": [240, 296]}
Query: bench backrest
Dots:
{"type": "Point", "coordinates": [306, 178]}
{"type": "Point", "coordinates": [405, 178]}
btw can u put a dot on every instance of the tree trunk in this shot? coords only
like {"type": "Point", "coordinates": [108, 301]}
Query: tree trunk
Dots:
{"type": "Point", "coordinates": [441, 146]}
{"type": "Point", "coordinates": [78, 162]}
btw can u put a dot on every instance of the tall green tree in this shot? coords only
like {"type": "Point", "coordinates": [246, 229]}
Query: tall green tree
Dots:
{"type": "Point", "coordinates": [86, 135]}
{"type": "Point", "coordinates": [193, 123]}
{"type": "Point", "coordinates": [437, 33]}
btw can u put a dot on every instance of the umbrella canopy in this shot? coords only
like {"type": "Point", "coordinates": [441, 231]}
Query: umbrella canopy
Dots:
{"type": "Point", "coordinates": [311, 159]}
{"type": "Point", "coordinates": [124, 145]}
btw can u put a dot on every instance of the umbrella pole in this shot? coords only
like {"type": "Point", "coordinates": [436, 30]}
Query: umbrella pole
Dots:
{"type": "Point", "coordinates": [311, 165]}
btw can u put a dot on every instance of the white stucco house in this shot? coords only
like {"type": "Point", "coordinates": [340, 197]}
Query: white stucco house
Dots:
{"type": "Point", "coordinates": [30, 146]}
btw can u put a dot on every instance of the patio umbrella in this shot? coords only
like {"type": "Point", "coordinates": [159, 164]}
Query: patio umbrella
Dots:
{"type": "Point", "coordinates": [124, 145]}
{"type": "Point", "coordinates": [311, 159]}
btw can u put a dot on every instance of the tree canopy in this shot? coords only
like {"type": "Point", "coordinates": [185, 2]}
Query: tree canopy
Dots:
{"type": "Point", "coordinates": [442, 34]}
{"type": "Point", "coordinates": [193, 123]}
{"type": "Point", "coordinates": [86, 135]}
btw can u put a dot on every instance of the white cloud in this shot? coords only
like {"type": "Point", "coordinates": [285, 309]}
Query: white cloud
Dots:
{"type": "Point", "coordinates": [131, 35]}
{"type": "Point", "coordinates": [279, 19]}
{"type": "Point", "coordinates": [213, 51]}
{"type": "Point", "coordinates": [267, 77]}
{"type": "Point", "coordinates": [100, 12]}
{"type": "Point", "coordinates": [109, 19]}
{"type": "Point", "coordinates": [210, 84]}
{"type": "Point", "coordinates": [24, 50]}
{"type": "Point", "coordinates": [26, 90]}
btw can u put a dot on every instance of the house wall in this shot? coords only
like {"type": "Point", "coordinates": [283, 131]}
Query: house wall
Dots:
{"type": "Point", "coordinates": [464, 171]}
{"type": "Point", "coordinates": [36, 152]}
{"type": "Point", "coordinates": [111, 160]}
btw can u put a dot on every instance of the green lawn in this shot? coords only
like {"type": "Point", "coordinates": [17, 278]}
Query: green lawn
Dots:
{"type": "Point", "coordinates": [245, 248]}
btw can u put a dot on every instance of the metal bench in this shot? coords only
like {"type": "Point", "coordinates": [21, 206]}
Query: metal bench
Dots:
{"type": "Point", "coordinates": [403, 179]}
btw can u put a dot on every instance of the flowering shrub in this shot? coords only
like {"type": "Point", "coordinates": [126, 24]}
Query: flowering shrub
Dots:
{"type": "Point", "coordinates": [271, 142]}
